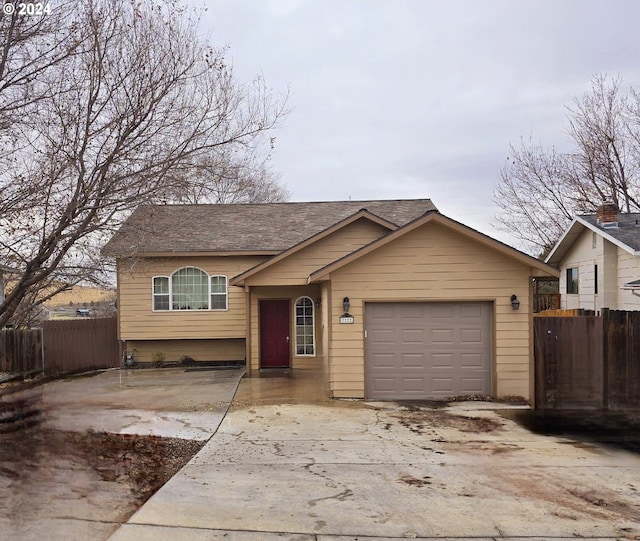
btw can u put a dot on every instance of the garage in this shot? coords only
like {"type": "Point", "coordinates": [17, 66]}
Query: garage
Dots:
{"type": "Point", "coordinates": [425, 350]}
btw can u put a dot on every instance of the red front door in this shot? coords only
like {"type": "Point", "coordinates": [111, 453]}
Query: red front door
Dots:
{"type": "Point", "coordinates": [274, 334]}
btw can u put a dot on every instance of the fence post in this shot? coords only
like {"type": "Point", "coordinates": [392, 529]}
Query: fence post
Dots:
{"type": "Point", "coordinates": [605, 358]}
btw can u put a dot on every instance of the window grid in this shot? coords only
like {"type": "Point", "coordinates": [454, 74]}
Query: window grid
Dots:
{"type": "Point", "coordinates": [305, 343]}
{"type": "Point", "coordinates": [218, 292]}
{"type": "Point", "coordinates": [189, 288]}
{"type": "Point", "coordinates": [161, 293]}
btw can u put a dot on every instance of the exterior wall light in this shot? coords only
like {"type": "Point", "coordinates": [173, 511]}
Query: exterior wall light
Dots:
{"type": "Point", "coordinates": [318, 302]}
{"type": "Point", "coordinates": [515, 303]}
{"type": "Point", "coordinates": [346, 305]}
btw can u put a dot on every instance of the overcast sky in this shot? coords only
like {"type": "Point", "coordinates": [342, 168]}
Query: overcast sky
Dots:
{"type": "Point", "coordinates": [396, 99]}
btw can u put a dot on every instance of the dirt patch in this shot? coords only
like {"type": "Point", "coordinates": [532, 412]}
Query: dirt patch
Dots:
{"type": "Point", "coordinates": [95, 477]}
{"type": "Point", "coordinates": [421, 421]}
{"type": "Point", "coordinates": [414, 481]}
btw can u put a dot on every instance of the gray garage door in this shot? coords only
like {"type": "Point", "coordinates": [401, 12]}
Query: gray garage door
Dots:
{"type": "Point", "coordinates": [427, 350]}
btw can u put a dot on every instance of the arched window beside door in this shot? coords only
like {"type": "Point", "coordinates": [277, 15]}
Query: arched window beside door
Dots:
{"type": "Point", "coordinates": [305, 339]}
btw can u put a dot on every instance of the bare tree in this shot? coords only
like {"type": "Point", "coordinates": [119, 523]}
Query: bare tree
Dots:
{"type": "Point", "coordinates": [540, 190]}
{"type": "Point", "coordinates": [231, 179]}
{"type": "Point", "coordinates": [132, 98]}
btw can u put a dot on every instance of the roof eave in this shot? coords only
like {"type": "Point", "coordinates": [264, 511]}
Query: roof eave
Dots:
{"type": "Point", "coordinates": [562, 246]}
{"type": "Point", "coordinates": [204, 253]}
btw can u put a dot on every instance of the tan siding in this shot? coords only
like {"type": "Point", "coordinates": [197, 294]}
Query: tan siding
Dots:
{"type": "Point", "coordinates": [138, 321]}
{"type": "Point", "coordinates": [433, 263]}
{"type": "Point", "coordinates": [295, 269]}
{"type": "Point", "coordinates": [198, 350]}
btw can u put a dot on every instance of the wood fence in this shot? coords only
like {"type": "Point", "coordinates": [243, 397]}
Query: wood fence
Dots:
{"type": "Point", "coordinates": [20, 350]}
{"type": "Point", "coordinates": [61, 346]}
{"type": "Point", "coordinates": [588, 362]}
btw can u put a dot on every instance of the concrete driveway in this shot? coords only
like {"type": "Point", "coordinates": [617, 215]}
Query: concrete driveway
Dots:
{"type": "Point", "coordinates": [179, 403]}
{"type": "Point", "coordinates": [288, 464]}
{"type": "Point", "coordinates": [49, 491]}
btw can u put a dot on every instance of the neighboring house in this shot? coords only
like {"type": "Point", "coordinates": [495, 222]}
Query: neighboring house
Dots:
{"type": "Point", "coordinates": [4, 272]}
{"type": "Point", "coordinates": [393, 299]}
{"type": "Point", "coordinates": [599, 261]}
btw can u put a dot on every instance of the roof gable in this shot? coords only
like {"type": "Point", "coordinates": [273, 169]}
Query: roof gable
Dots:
{"type": "Point", "coordinates": [626, 236]}
{"type": "Point", "coordinates": [267, 227]}
{"type": "Point", "coordinates": [361, 214]}
{"type": "Point", "coordinates": [436, 217]}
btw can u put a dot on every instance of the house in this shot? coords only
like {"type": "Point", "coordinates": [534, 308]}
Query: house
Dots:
{"type": "Point", "coordinates": [391, 298]}
{"type": "Point", "coordinates": [4, 271]}
{"type": "Point", "coordinates": [599, 260]}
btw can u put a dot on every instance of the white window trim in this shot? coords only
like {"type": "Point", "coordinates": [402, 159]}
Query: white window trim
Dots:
{"type": "Point", "coordinates": [313, 327]}
{"type": "Point", "coordinates": [209, 309]}
{"type": "Point", "coordinates": [226, 293]}
{"type": "Point", "coordinates": [566, 277]}
{"type": "Point", "coordinates": [154, 294]}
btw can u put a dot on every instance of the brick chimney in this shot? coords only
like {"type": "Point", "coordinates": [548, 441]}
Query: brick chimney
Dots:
{"type": "Point", "coordinates": [607, 214]}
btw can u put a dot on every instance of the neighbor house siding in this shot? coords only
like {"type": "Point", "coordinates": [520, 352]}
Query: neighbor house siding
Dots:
{"type": "Point", "coordinates": [628, 271]}
{"type": "Point", "coordinates": [138, 321]}
{"type": "Point", "coordinates": [433, 263]}
{"type": "Point", "coordinates": [295, 269]}
{"type": "Point", "coordinates": [584, 257]}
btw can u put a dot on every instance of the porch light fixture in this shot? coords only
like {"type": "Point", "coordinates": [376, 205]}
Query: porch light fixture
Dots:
{"type": "Point", "coordinates": [346, 305]}
{"type": "Point", "coordinates": [318, 302]}
{"type": "Point", "coordinates": [515, 303]}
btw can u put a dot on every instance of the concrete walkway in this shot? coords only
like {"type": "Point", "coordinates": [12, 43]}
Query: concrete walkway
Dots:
{"type": "Point", "coordinates": [288, 464]}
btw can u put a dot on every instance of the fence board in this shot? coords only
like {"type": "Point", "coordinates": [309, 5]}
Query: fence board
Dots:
{"type": "Point", "coordinates": [82, 344]}
{"type": "Point", "coordinates": [588, 362]}
{"type": "Point", "coordinates": [20, 350]}
{"type": "Point", "coordinates": [569, 370]}
{"type": "Point", "coordinates": [622, 359]}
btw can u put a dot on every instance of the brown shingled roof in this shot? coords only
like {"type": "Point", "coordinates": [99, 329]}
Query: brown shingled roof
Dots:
{"type": "Point", "coordinates": [244, 227]}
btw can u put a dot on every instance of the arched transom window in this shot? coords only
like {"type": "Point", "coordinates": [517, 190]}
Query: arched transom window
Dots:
{"type": "Point", "coordinates": [305, 342]}
{"type": "Point", "coordinates": [189, 288]}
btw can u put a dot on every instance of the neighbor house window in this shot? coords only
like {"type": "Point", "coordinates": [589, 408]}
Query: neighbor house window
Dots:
{"type": "Point", "coordinates": [304, 327]}
{"type": "Point", "coordinates": [572, 280]}
{"type": "Point", "coordinates": [190, 288]}
{"type": "Point", "coordinates": [595, 279]}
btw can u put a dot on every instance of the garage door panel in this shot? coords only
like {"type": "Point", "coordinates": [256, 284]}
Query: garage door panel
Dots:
{"type": "Point", "coordinates": [412, 361]}
{"type": "Point", "coordinates": [471, 336]}
{"type": "Point", "coordinates": [411, 311]}
{"type": "Point", "coordinates": [442, 386]}
{"type": "Point", "coordinates": [442, 361]}
{"type": "Point", "coordinates": [412, 336]}
{"type": "Point", "coordinates": [413, 385]}
{"type": "Point", "coordinates": [384, 360]}
{"type": "Point", "coordinates": [442, 336]}
{"type": "Point", "coordinates": [383, 386]}
{"type": "Point", "coordinates": [441, 311]}
{"type": "Point", "coordinates": [473, 385]}
{"type": "Point", "coordinates": [472, 361]}
{"type": "Point", "coordinates": [470, 310]}
{"type": "Point", "coordinates": [427, 350]}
